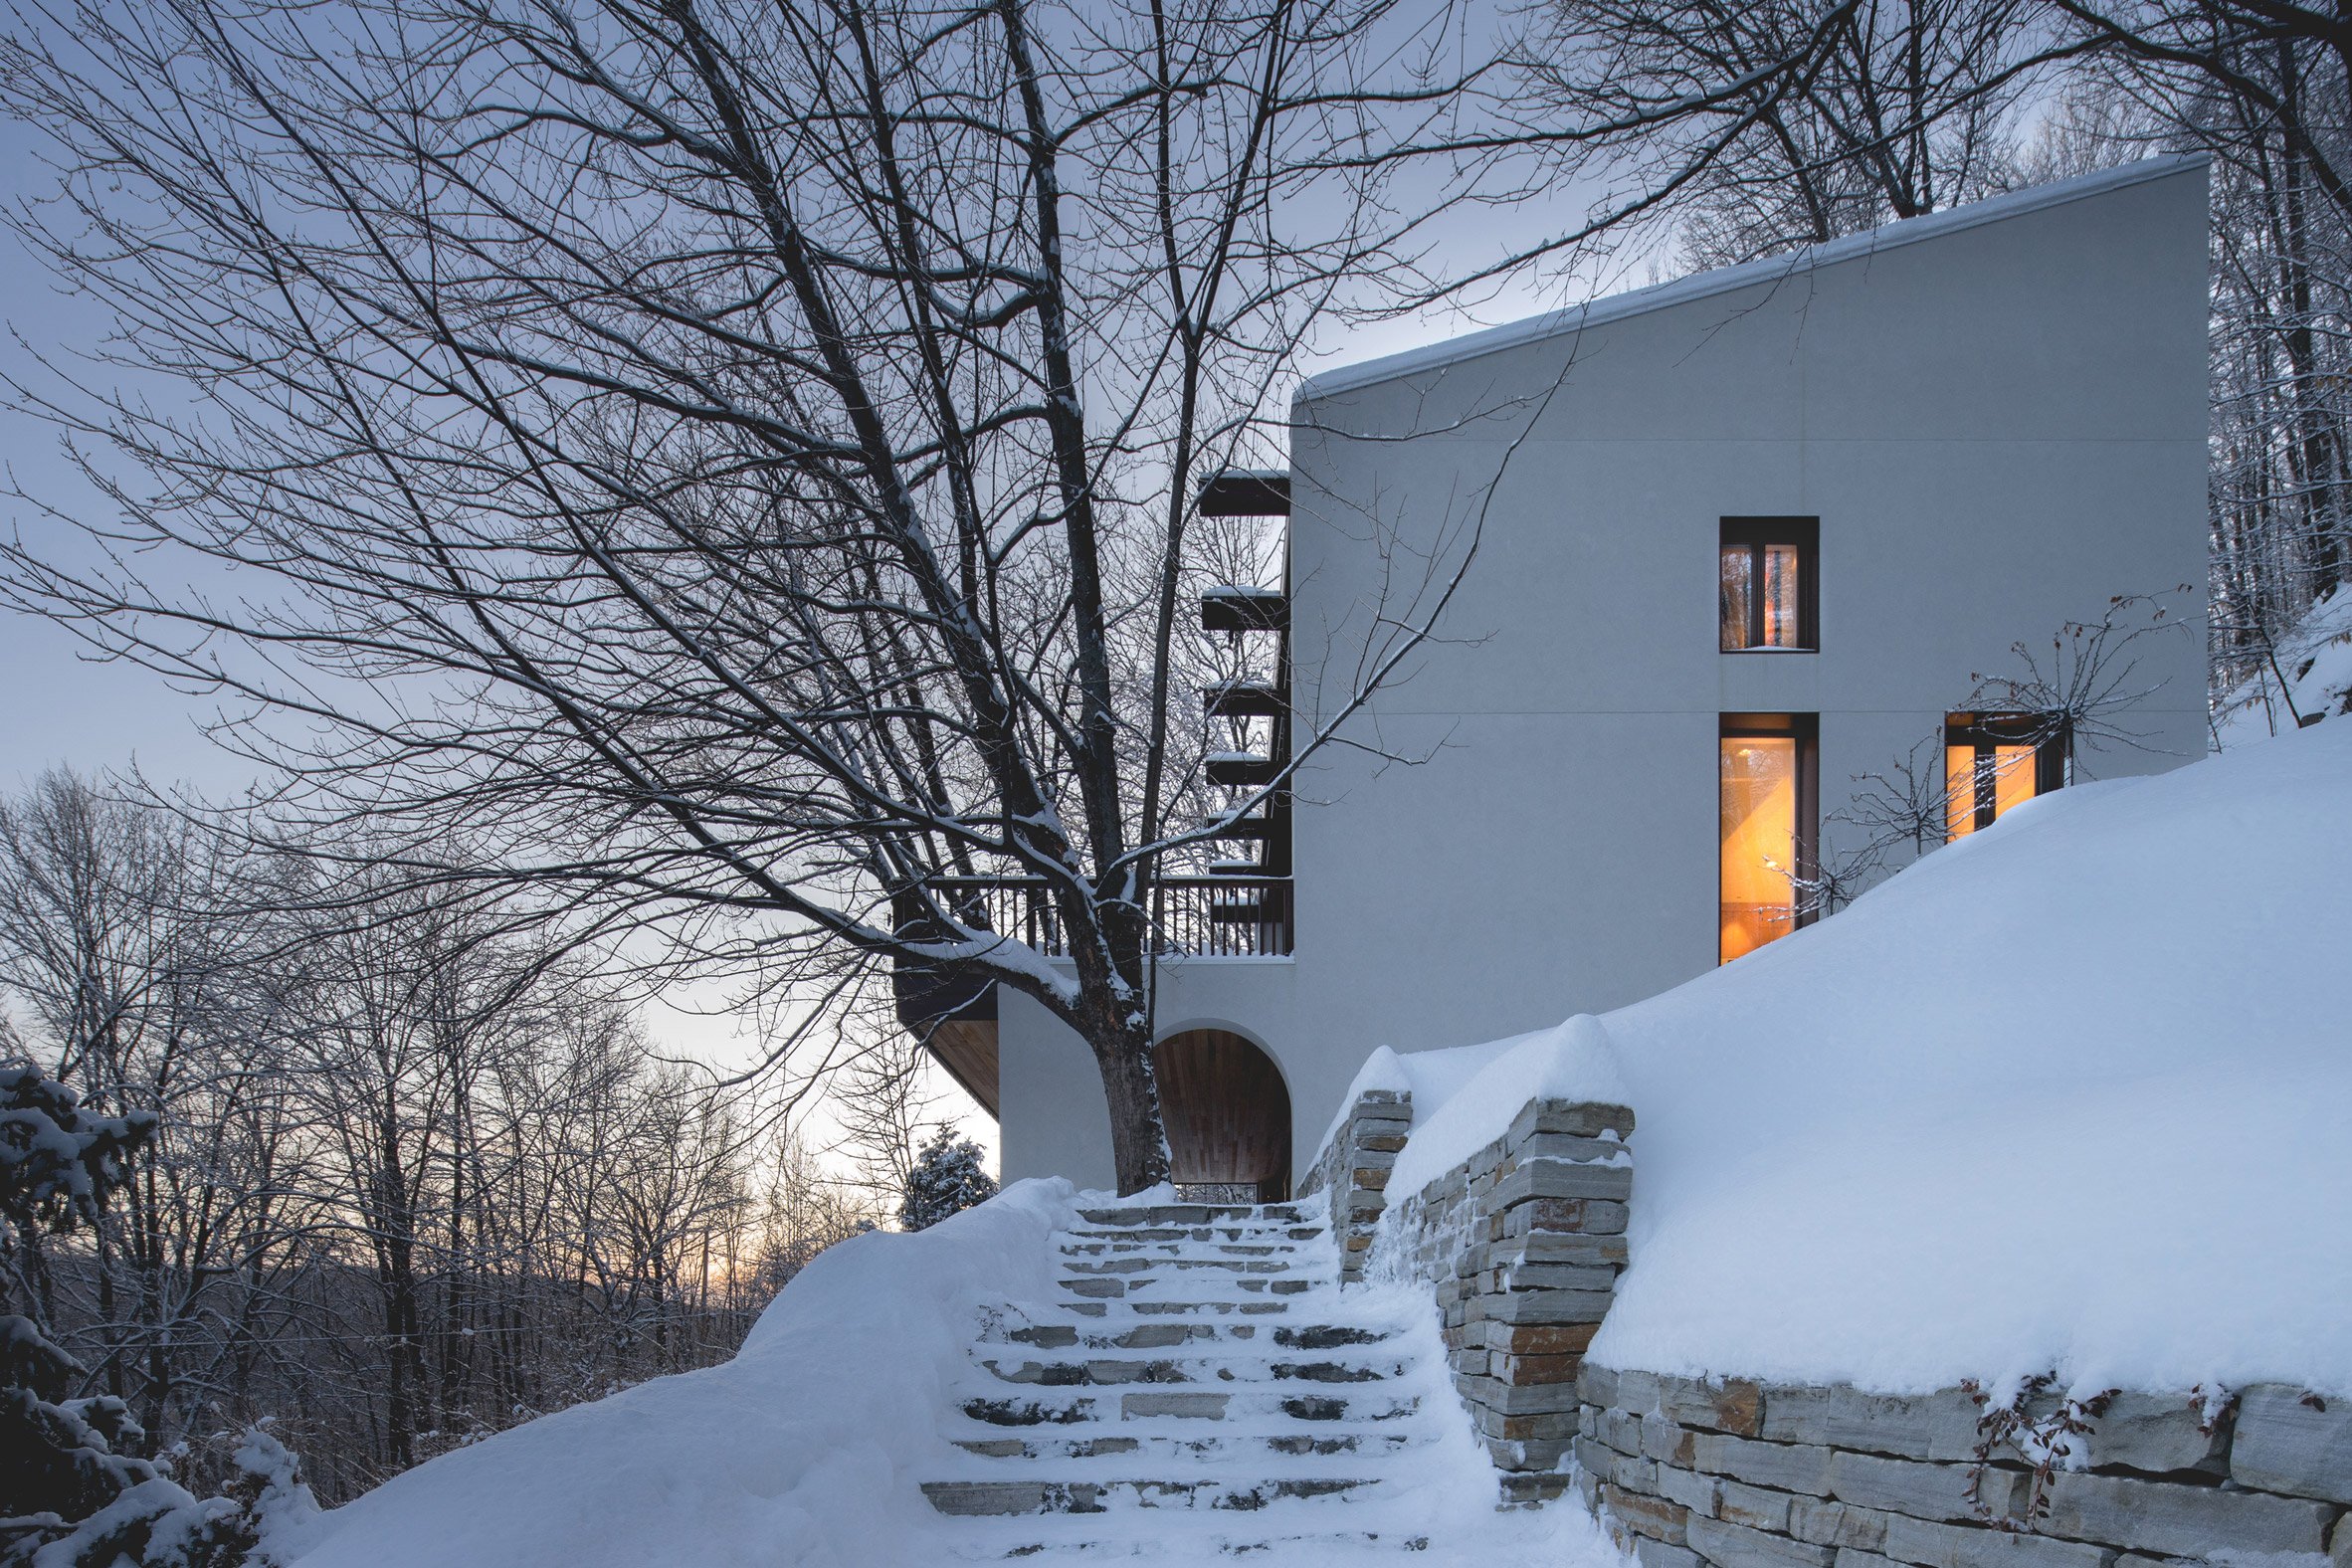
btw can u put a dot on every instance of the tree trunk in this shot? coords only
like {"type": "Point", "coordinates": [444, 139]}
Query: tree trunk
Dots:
{"type": "Point", "coordinates": [1131, 1090]}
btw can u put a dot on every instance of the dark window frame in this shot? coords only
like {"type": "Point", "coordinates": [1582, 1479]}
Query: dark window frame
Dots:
{"type": "Point", "coordinates": [2051, 736]}
{"type": "Point", "coordinates": [1805, 728]}
{"type": "Point", "coordinates": [1752, 534]}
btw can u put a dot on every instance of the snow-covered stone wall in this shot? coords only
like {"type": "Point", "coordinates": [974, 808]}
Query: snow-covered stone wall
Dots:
{"type": "Point", "coordinates": [1521, 1243]}
{"type": "Point", "coordinates": [1354, 1168]}
{"type": "Point", "coordinates": [1741, 1474]}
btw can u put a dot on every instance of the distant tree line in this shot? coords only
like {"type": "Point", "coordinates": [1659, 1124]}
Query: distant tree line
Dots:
{"type": "Point", "coordinates": [408, 1174]}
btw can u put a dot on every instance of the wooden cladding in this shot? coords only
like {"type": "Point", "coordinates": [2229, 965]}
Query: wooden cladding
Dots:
{"type": "Point", "coordinates": [1227, 1112]}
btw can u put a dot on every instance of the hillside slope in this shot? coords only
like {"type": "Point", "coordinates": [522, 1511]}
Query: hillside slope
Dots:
{"type": "Point", "coordinates": [2069, 1095]}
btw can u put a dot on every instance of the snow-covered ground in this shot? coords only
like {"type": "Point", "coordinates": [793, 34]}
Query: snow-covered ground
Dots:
{"type": "Point", "coordinates": [2069, 1095]}
{"type": "Point", "coordinates": [802, 1450]}
{"type": "Point", "coordinates": [2313, 678]}
{"type": "Point", "coordinates": [810, 1448]}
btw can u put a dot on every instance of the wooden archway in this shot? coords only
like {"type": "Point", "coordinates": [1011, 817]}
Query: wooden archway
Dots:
{"type": "Point", "coordinates": [1228, 1114]}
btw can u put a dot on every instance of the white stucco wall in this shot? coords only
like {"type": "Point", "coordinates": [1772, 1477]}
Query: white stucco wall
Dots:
{"type": "Point", "coordinates": [1999, 428]}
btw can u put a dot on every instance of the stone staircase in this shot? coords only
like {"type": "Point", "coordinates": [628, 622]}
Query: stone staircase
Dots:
{"type": "Point", "coordinates": [1199, 1385]}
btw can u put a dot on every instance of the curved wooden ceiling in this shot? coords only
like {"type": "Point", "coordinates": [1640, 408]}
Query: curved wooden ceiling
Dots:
{"type": "Point", "coordinates": [1227, 1109]}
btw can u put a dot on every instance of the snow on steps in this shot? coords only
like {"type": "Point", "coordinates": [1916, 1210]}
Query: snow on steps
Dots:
{"type": "Point", "coordinates": [1200, 1380]}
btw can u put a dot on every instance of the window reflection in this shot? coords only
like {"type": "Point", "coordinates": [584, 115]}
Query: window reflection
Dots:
{"type": "Point", "coordinates": [1764, 595]}
{"type": "Point", "coordinates": [1780, 597]}
{"type": "Point", "coordinates": [1739, 574]}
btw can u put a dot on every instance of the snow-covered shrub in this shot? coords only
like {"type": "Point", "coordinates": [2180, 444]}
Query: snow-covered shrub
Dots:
{"type": "Point", "coordinates": [946, 1179]}
{"type": "Point", "coordinates": [70, 1495]}
{"type": "Point", "coordinates": [2301, 680]}
{"type": "Point", "coordinates": [159, 1524]}
{"type": "Point", "coordinates": [57, 1163]}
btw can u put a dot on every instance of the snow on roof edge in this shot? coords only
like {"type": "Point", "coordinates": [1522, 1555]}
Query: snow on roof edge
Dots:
{"type": "Point", "coordinates": [1724, 280]}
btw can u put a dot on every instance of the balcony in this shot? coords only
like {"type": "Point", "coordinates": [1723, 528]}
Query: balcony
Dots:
{"type": "Point", "coordinates": [1247, 493]}
{"type": "Point", "coordinates": [1242, 769]}
{"type": "Point", "coordinates": [1222, 916]}
{"type": "Point", "coordinates": [1245, 699]}
{"type": "Point", "coordinates": [1232, 608]}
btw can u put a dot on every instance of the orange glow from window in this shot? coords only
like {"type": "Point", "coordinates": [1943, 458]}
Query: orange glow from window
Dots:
{"type": "Point", "coordinates": [1759, 824]}
{"type": "Point", "coordinates": [1959, 791]}
{"type": "Point", "coordinates": [2013, 777]}
{"type": "Point", "coordinates": [1967, 768]}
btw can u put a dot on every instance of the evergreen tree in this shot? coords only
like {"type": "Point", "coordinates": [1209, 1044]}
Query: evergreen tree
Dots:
{"type": "Point", "coordinates": [57, 1164]}
{"type": "Point", "coordinates": [946, 1179]}
{"type": "Point", "coordinates": [69, 1493]}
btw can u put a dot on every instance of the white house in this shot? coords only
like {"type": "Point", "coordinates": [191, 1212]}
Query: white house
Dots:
{"type": "Point", "coordinates": [1740, 539]}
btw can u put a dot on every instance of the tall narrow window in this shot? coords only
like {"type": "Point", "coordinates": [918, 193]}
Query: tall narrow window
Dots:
{"type": "Point", "coordinates": [1766, 593]}
{"type": "Point", "coordinates": [1992, 762]}
{"type": "Point", "coordinates": [1768, 811]}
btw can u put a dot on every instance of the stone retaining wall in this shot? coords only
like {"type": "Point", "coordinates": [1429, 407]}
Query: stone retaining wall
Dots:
{"type": "Point", "coordinates": [1746, 1474]}
{"type": "Point", "coordinates": [1354, 1167]}
{"type": "Point", "coordinates": [1524, 1243]}
{"type": "Point", "coordinates": [1522, 1246]}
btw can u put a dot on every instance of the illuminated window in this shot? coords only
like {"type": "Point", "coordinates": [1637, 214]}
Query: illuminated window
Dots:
{"type": "Point", "coordinates": [1766, 594]}
{"type": "Point", "coordinates": [1992, 762]}
{"type": "Point", "coordinates": [1766, 764]}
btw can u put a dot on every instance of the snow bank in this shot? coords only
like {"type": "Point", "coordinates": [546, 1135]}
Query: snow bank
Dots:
{"type": "Point", "coordinates": [2071, 1094]}
{"type": "Point", "coordinates": [1574, 1061]}
{"type": "Point", "coordinates": [804, 1450]}
{"type": "Point", "coordinates": [2315, 666]}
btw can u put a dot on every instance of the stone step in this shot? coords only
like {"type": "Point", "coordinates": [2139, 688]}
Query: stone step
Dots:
{"type": "Point", "coordinates": [1110, 1287]}
{"type": "Point", "coordinates": [1202, 1234]}
{"type": "Point", "coordinates": [1187, 1249]}
{"type": "Point", "coordinates": [1259, 1403]}
{"type": "Point", "coordinates": [1087, 1495]}
{"type": "Point", "coordinates": [1165, 1334]}
{"type": "Point", "coordinates": [1088, 1267]}
{"type": "Point", "coordinates": [1176, 1538]}
{"type": "Point", "coordinates": [1115, 1371]}
{"type": "Point", "coordinates": [1211, 1447]}
{"type": "Point", "coordinates": [1246, 1307]}
{"type": "Point", "coordinates": [1191, 1213]}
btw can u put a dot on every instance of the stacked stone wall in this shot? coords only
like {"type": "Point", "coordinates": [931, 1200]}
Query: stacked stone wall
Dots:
{"type": "Point", "coordinates": [1746, 1474]}
{"type": "Point", "coordinates": [1522, 1244]}
{"type": "Point", "coordinates": [1354, 1168]}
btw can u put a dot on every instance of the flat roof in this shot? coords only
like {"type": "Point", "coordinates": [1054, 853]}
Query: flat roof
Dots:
{"type": "Point", "coordinates": [1724, 280]}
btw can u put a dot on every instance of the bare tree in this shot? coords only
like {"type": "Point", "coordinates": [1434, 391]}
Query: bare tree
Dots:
{"type": "Point", "coordinates": [735, 461]}
{"type": "Point", "coordinates": [415, 1172]}
{"type": "Point", "coordinates": [1761, 126]}
{"type": "Point", "coordinates": [2079, 692]}
{"type": "Point", "coordinates": [112, 941]}
{"type": "Point", "coordinates": [881, 1102]}
{"type": "Point", "coordinates": [2287, 67]}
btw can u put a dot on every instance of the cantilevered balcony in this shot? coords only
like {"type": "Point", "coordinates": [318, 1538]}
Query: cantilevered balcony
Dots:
{"type": "Point", "coordinates": [1233, 608]}
{"type": "Point", "coordinates": [1245, 699]}
{"type": "Point", "coordinates": [1243, 769]}
{"type": "Point", "coordinates": [1247, 493]}
{"type": "Point", "coordinates": [1214, 917]}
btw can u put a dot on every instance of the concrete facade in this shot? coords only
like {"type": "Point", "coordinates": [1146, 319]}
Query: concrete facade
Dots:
{"type": "Point", "coordinates": [1999, 416]}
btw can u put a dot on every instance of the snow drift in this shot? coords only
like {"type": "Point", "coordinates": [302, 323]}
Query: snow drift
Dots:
{"type": "Point", "coordinates": [805, 1449]}
{"type": "Point", "coordinates": [2067, 1095]}
{"type": "Point", "coordinates": [2310, 678]}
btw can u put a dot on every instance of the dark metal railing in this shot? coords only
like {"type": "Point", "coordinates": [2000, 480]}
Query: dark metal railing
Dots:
{"type": "Point", "coordinates": [1207, 916]}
